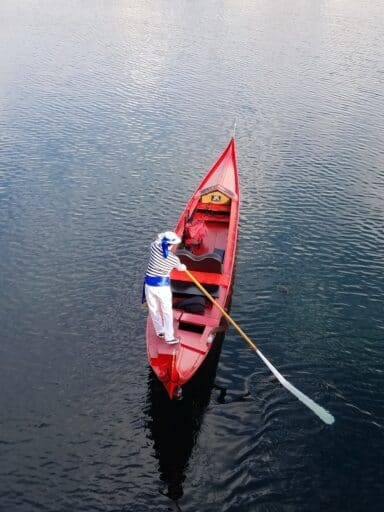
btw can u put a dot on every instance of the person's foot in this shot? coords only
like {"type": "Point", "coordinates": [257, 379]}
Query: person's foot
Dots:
{"type": "Point", "coordinates": [172, 341]}
{"type": "Point", "coordinates": [160, 335]}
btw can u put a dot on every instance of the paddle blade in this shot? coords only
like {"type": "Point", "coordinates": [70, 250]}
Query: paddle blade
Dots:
{"type": "Point", "coordinates": [322, 413]}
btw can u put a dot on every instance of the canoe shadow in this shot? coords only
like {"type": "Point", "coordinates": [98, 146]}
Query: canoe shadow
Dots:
{"type": "Point", "coordinates": [173, 426]}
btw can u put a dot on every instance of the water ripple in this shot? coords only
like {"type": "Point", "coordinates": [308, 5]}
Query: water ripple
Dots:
{"type": "Point", "coordinates": [109, 119]}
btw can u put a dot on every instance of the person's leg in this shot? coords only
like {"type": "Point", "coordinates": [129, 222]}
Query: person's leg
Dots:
{"type": "Point", "coordinates": [165, 296]}
{"type": "Point", "coordinates": [154, 308]}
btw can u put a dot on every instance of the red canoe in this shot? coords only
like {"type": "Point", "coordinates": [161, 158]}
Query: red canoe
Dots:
{"type": "Point", "coordinates": [208, 227]}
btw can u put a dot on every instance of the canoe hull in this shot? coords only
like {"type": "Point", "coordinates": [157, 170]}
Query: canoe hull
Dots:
{"type": "Point", "coordinates": [208, 227]}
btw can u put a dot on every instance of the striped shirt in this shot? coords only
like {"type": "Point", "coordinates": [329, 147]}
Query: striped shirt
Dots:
{"type": "Point", "coordinates": [160, 266]}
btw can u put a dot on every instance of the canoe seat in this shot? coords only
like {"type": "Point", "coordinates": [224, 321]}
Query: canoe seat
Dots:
{"type": "Point", "coordinates": [211, 262]}
{"type": "Point", "coordinates": [184, 288]}
{"type": "Point", "coordinates": [191, 304]}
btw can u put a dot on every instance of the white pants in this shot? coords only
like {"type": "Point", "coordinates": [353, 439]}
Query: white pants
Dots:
{"type": "Point", "coordinates": [159, 300]}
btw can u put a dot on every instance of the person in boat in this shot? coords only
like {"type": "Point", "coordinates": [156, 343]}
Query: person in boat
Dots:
{"type": "Point", "coordinates": [157, 288]}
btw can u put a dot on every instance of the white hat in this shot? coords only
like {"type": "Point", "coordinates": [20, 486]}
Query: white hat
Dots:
{"type": "Point", "coordinates": [169, 237]}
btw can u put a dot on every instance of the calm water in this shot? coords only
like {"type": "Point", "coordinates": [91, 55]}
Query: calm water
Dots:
{"type": "Point", "coordinates": [111, 112]}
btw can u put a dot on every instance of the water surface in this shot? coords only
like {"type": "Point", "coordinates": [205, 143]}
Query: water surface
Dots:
{"type": "Point", "coordinates": [110, 115]}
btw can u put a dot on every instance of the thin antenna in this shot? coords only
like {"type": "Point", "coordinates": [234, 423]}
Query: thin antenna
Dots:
{"type": "Point", "coordinates": [234, 128]}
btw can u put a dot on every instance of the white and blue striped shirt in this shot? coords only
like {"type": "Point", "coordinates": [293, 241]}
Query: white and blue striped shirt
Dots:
{"type": "Point", "coordinates": [160, 266]}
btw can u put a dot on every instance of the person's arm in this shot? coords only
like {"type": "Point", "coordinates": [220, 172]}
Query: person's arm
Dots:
{"type": "Point", "coordinates": [177, 263]}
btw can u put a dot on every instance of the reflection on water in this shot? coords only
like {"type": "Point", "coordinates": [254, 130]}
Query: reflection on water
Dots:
{"type": "Point", "coordinates": [174, 425]}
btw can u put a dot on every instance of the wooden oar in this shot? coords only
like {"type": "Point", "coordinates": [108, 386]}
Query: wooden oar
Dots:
{"type": "Point", "coordinates": [316, 408]}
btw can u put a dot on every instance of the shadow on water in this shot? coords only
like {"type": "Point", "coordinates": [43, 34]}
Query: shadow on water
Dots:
{"type": "Point", "coordinates": [174, 426]}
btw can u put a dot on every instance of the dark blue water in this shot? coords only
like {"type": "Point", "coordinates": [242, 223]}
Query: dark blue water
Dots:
{"type": "Point", "coordinates": [111, 112]}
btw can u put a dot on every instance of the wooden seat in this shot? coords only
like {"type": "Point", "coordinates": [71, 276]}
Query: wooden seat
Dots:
{"type": "Point", "coordinates": [206, 320]}
{"type": "Point", "coordinates": [187, 288]}
{"type": "Point", "coordinates": [211, 262]}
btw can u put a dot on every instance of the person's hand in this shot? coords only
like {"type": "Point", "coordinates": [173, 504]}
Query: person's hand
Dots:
{"type": "Point", "coordinates": [182, 267]}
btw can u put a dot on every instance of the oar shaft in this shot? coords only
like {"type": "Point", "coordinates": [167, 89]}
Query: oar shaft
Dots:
{"type": "Point", "coordinates": [316, 408]}
{"type": "Point", "coordinates": [221, 309]}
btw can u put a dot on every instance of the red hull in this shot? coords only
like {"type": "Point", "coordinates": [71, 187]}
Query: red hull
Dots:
{"type": "Point", "coordinates": [208, 227]}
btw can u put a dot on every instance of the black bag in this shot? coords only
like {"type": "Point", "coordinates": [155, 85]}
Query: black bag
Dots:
{"type": "Point", "coordinates": [192, 304]}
